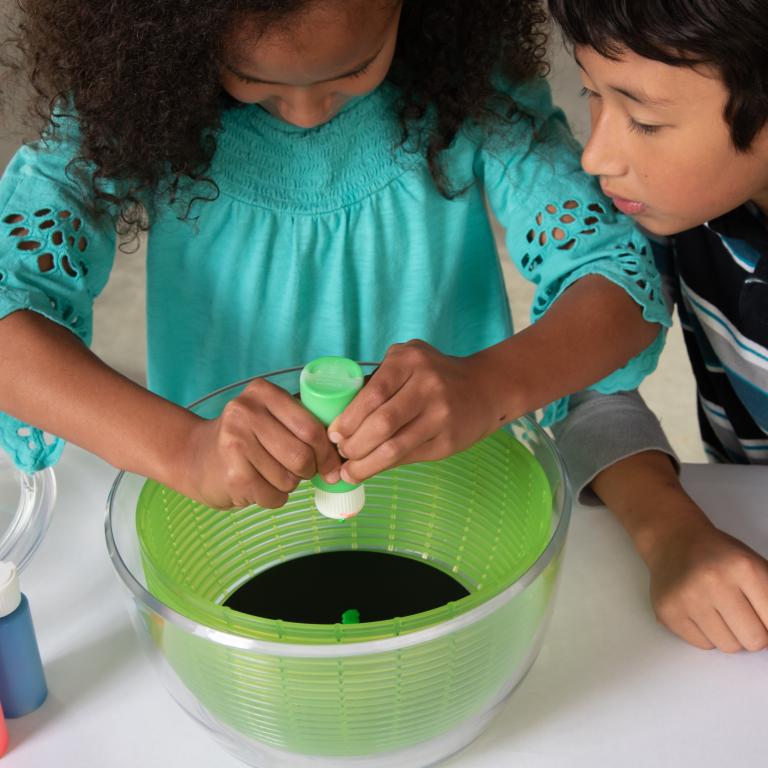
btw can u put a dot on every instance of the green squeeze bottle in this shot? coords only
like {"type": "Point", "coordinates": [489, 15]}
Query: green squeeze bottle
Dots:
{"type": "Point", "coordinates": [327, 386]}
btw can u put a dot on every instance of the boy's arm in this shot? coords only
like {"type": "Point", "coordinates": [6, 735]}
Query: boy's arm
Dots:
{"type": "Point", "coordinates": [706, 586]}
{"type": "Point", "coordinates": [601, 430]}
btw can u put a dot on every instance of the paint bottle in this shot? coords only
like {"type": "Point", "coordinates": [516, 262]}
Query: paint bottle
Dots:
{"type": "Point", "coordinates": [327, 386]}
{"type": "Point", "coordinates": [22, 682]}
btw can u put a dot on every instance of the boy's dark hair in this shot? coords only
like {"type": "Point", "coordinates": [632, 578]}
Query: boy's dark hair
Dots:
{"type": "Point", "coordinates": [730, 35]}
{"type": "Point", "coordinates": [143, 77]}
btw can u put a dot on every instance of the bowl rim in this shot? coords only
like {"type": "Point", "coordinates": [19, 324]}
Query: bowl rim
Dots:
{"type": "Point", "coordinates": [30, 522]}
{"type": "Point", "coordinates": [351, 648]}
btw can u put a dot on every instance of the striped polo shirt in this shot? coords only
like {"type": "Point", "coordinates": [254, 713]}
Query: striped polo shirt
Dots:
{"type": "Point", "coordinates": [719, 279]}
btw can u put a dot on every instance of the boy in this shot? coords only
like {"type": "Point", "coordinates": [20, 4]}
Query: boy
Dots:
{"type": "Point", "coordinates": [678, 93]}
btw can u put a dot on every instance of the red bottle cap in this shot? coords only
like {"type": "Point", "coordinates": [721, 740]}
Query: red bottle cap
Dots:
{"type": "Point", "coordinates": [3, 733]}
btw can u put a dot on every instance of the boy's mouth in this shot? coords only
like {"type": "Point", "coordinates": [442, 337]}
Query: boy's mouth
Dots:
{"type": "Point", "coordinates": [629, 207]}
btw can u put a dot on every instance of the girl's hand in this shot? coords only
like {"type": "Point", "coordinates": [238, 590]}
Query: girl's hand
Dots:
{"type": "Point", "coordinates": [420, 405]}
{"type": "Point", "coordinates": [710, 589]}
{"type": "Point", "coordinates": [255, 452]}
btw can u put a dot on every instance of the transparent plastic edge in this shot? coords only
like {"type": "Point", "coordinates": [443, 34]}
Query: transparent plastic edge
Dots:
{"type": "Point", "coordinates": [362, 647]}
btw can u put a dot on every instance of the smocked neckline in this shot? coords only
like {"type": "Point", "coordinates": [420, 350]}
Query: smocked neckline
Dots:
{"type": "Point", "coordinates": [263, 161]}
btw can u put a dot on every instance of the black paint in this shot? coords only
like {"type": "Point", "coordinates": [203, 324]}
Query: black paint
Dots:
{"type": "Point", "coordinates": [317, 589]}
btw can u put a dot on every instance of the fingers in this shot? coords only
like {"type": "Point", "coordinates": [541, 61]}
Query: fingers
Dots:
{"type": "Point", "coordinates": [412, 398]}
{"type": "Point", "coordinates": [270, 468]}
{"type": "Point", "coordinates": [712, 590]}
{"type": "Point", "coordinates": [286, 449]}
{"type": "Point", "coordinates": [731, 627]}
{"type": "Point", "coordinates": [391, 453]}
{"type": "Point", "coordinates": [291, 434]}
{"type": "Point", "coordinates": [383, 385]}
{"type": "Point", "coordinates": [717, 631]}
{"type": "Point", "coordinates": [744, 605]}
{"type": "Point", "coordinates": [749, 630]}
{"type": "Point", "coordinates": [690, 632]}
{"type": "Point", "coordinates": [383, 425]}
{"type": "Point", "coordinates": [246, 486]}
{"type": "Point", "coordinates": [672, 611]}
{"type": "Point", "coordinates": [755, 590]}
{"type": "Point", "coordinates": [259, 448]}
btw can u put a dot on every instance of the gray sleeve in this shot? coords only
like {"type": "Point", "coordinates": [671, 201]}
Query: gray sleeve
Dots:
{"type": "Point", "coordinates": [603, 429]}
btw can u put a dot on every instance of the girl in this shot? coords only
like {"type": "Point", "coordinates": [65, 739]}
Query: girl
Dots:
{"type": "Point", "coordinates": [314, 177]}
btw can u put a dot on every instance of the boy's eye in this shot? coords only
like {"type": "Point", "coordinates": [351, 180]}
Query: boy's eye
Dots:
{"type": "Point", "coordinates": [589, 93]}
{"type": "Point", "coordinates": [646, 130]}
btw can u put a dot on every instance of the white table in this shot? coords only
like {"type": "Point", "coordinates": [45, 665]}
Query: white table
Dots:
{"type": "Point", "coordinates": [610, 688]}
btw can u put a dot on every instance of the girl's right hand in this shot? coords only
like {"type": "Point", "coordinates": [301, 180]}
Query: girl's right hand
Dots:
{"type": "Point", "coordinates": [256, 452]}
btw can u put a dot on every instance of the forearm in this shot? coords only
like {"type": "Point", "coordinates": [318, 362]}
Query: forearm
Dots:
{"type": "Point", "coordinates": [51, 380]}
{"type": "Point", "coordinates": [593, 329]}
{"type": "Point", "coordinates": [645, 495]}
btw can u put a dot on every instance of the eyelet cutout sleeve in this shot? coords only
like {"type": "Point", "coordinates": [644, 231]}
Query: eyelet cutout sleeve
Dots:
{"type": "Point", "coordinates": [560, 228]}
{"type": "Point", "coordinates": [53, 261]}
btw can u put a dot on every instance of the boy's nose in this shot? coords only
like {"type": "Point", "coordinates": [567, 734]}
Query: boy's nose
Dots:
{"type": "Point", "coordinates": [602, 155]}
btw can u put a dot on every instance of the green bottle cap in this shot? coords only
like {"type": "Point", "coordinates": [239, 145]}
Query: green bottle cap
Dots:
{"type": "Point", "coordinates": [328, 385]}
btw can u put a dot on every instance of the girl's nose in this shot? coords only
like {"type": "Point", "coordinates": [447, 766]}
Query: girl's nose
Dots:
{"type": "Point", "coordinates": [305, 110]}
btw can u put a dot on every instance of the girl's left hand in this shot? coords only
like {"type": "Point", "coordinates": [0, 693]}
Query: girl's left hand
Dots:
{"type": "Point", "coordinates": [420, 405]}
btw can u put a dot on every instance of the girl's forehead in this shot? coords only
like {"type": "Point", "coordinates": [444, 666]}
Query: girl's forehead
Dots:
{"type": "Point", "coordinates": [332, 31]}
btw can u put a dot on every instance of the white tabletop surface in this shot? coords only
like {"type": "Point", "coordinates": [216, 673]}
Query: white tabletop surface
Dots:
{"type": "Point", "coordinates": [610, 688]}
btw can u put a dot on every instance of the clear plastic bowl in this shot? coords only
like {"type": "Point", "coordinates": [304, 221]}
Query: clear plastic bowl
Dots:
{"type": "Point", "coordinates": [26, 506]}
{"type": "Point", "coordinates": [406, 692]}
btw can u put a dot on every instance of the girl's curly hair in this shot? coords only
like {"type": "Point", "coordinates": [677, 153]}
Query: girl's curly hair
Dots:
{"type": "Point", "coordinates": [143, 79]}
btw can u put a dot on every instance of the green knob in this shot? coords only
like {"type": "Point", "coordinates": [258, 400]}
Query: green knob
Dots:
{"type": "Point", "coordinates": [350, 616]}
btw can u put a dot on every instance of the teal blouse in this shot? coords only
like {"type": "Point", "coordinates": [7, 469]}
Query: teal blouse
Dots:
{"type": "Point", "coordinates": [332, 240]}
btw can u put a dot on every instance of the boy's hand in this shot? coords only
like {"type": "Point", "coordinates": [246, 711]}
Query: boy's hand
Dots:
{"type": "Point", "coordinates": [706, 586]}
{"type": "Point", "coordinates": [710, 589]}
{"type": "Point", "coordinates": [420, 405]}
{"type": "Point", "coordinates": [255, 452]}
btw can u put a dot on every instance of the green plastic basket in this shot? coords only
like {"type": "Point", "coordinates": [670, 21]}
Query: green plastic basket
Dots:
{"type": "Point", "coordinates": [279, 690]}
